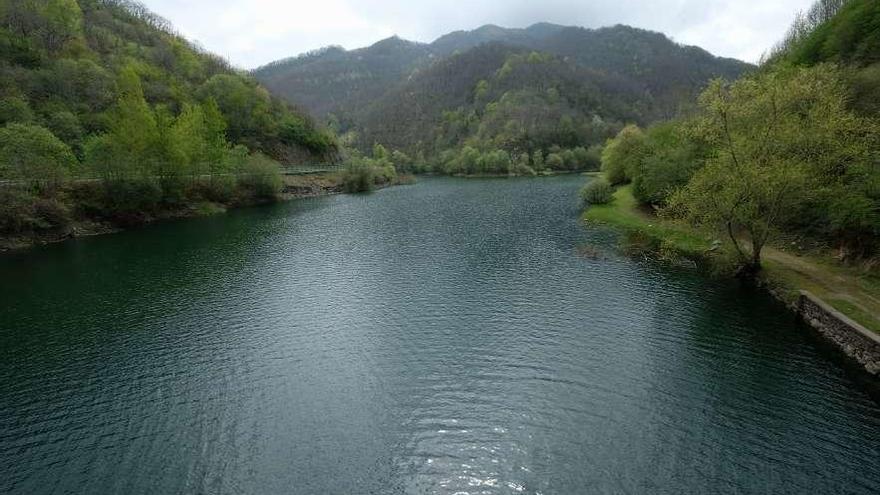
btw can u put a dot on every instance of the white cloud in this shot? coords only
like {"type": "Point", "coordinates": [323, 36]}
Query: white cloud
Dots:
{"type": "Point", "coordinates": [253, 32]}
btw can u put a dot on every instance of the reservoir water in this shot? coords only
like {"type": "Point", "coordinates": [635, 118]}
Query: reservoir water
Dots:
{"type": "Point", "coordinates": [446, 337]}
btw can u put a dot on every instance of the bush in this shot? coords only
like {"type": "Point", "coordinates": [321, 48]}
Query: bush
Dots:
{"type": "Point", "coordinates": [126, 197]}
{"type": "Point", "coordinates": [669, 161]}
{"type": "Point", "coordinates": [22, 211]}
{"type": "Point", "coordinates": [218, 189]}
{"type": "Point", "coordinates": [597, 192]}
{"type": "Point", "coordinates": [359, 176]}
{"type": "Point", "coordinates": [261, 177]}
{"type": "Point", "coordinates": [33, 154]}
{"type": "Point", "coordinates": [15, 110]}
{"type": "Point", "coordinates": [554, 161]}
{"type": "Point", "coordinates": [622, 155]}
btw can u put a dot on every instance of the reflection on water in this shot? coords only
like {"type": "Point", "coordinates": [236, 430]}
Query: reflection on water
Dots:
{"type": "Point", "coordinates": [445, 337]}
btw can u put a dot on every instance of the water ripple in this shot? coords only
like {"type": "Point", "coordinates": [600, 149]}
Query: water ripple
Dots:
{"type": "Point", "coordinates": [440, 338]}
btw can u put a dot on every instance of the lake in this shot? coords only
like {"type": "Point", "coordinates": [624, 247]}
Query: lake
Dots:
{"type": "Point", "coordinates": [446, 337]}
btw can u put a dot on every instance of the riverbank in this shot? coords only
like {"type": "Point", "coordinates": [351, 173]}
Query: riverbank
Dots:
{"type": "Point", "coordinates": [86, 225]}
{"type": "Point", "coordinates": [785, 275]}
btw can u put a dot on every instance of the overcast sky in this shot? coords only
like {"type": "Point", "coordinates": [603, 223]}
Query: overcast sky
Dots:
{"type": "Point", "coordinates": [253, 32]}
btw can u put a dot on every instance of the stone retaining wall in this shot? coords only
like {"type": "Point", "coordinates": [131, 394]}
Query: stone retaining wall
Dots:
{"type": "Point", "coordinates": [856, 341]}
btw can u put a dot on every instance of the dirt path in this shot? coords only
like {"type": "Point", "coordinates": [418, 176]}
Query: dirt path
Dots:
{"type": "Point", "coordinates": [835, 284]}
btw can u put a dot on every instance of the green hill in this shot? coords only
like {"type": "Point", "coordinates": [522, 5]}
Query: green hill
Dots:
{"type": "Point", "coordinates": [108, 116]}
{"type": "Point", "coordinates": [61, 61]}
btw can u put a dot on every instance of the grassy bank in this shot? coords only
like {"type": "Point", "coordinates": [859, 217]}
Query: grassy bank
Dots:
{"type": "Point", "coordinates": [845, 288]}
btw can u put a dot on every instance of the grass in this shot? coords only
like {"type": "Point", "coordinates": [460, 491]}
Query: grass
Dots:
{"type": "Point", "coordinates": [624, 212]}
{"type": "Point", "coordinates": [846, 289]}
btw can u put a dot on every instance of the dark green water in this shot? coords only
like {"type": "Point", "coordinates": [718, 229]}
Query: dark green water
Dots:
{"type": "Point", "coordinates": [438, 338]}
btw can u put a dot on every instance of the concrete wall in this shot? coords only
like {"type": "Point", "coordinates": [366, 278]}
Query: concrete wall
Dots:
{"type": "Point", "coordinates": [856, 341]}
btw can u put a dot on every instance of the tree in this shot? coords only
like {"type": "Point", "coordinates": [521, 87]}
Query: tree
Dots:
{"type": "Point", "coordinates": [597, 192]}
{"type": "Point", "coordinates": [33, 154]}
{"type": "Point", "coordinates": [63, 23]}
{"type": "Point", "coordinates": [538, 160]}
{"type": "Point", "coordinates": [199, 139]}
{"type": "Point", "coordinates": [15, 109]}
{"type": "Point", "coordinates": [555, 161]}
{"type": "Point", "coordinates": [246, 107]}
{"type": "Point", "coordinates": [623, 154]}
{"type": "Point", "coordinates": [670, 158]}
{"type": "Point", "coordinates": [778, 138]}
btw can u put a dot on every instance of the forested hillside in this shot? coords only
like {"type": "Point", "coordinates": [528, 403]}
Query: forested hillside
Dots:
{"type": "Point", "coordinates": [331, 79]}
{"type": "Point", "coordinates": [105, 112]}
{"type": "Point", "coordinates": [498, 100]}
{"type": "Point", "coordinates": [790, 153]}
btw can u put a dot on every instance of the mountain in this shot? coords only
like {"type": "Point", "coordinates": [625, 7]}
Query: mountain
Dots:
{"type": "Point", "coordinates": [465, 40]}
{"type": "Point", "coordinates": [408, 95]}
{"type": "Point", "coordinates": [330, 79]}
{"type": "Point", "coordinates": [62, 63]}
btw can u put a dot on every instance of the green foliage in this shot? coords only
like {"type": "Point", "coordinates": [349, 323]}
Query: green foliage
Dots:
{"type": "Point", "coordinates": [261, 176]}
{"type": "Point", "coordinates": [785, 144]}
{"type": "Point", "coordinates": [671, 156]}
{"type": "Point", "coordinates": [33, 154]}
{"type": "Point", "coordinates": [516, 90]}
{"type": "Point", "coordinates": [362, 174]}
{"type": "Point", "coordinates": [128, 200]}
{"type": "Point", "coordinates": [111, 73]}
{"type": "Point", "coordinates": [845, 31]}
{"type": "Point", "coordinates": [359, 176]}
{"type": "Point", "coordinates": [22, 211]}
{"type": "Point", "coordinates": [63, 23]}
{"type": "Point", "coordinates": [622, 155]}
{"type": "Point", "coordinates": [554, 161]}
{"type": "Point", "coordinates": [15, 109]}
{"type": "Point", "coordinates": [298, 130]}
{"type": "Point", "coordinates": [597, 192]}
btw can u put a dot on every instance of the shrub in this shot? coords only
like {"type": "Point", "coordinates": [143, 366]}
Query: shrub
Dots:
{"type": "Point", "coordinates": [597, 192]}
{"type": "Point", "coordinates": [33, 154]}
{"type": "Point", "coordinates": [359, 176]}
{"type": "Point", "coordinates": [554, 161]}
{"type": "Point", "coordinates": [125, 197]}
{"type": "Point", "coordinates": [261, 177]}
{"type": "Point", "coordinates": [622, 155]}
{"type": "Point", "coordinates": [14, 109]}
{"type": "Point", "coordinates": [23, 211]}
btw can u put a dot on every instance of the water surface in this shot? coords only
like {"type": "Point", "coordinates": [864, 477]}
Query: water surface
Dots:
{"type": "Point", "coordinates": [445, 337]}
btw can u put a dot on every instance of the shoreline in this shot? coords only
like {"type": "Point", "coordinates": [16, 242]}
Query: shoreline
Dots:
{"type": "Point", "coordinates": [295, 187]}
{"type": "Point", "coordinates": [827, 299]}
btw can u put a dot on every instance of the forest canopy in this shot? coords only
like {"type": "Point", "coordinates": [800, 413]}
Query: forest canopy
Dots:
{"type": "Point", "coordinates": [106, 90]}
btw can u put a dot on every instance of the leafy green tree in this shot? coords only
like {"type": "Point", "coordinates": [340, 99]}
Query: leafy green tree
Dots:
{"type": "Point", "coordinates": [597, 192]}
{"type": "Point", "coordinates": [246, 107]}
{"type": "Point", "coordinates": [199, 139]}
{"type": "Point", "coordinates": [780, 137]}
{"type": "Point", "coordinates": [130, 147]}
{"type": "Point", "coordinates": [671, 157]}
{"type": "Point", "coordinates": [555, 161]}
{"type": "Point", "coordinates": [63, 23]}
{"type": "Point", "coordinates": [380, 152]}
{"type": "Point", "coordinates": [538, 160]}
{"type": "Point", "coordinates": [261, 176]}
{"type": "Point", "coordinates": [15, 109]}
{"type": "Point", "coordinates": [402, 161]}
{"type": "Point", "coordinates": [67, 127]}
{"type": "Point", "coordinates": [622, 155]}
{"type": "Point", "coordinates": [33, 154]}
